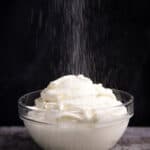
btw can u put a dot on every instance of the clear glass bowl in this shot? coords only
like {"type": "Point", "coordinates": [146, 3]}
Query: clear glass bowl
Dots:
{"type": "Point", "coordinates": [75, 136]}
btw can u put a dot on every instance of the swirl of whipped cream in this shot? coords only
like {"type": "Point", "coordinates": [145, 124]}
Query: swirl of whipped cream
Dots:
{"type": "Point", "coordinates": [77, 98]}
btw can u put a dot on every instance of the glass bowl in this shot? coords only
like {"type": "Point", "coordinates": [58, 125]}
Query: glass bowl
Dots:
{"type": "Point", "coordinates": [51, 135]}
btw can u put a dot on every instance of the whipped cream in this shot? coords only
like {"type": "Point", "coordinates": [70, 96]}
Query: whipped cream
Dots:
{"type": "Point", "coordinates": [76, 98]}
{"type": "Point", "coordinates": [79, 115]}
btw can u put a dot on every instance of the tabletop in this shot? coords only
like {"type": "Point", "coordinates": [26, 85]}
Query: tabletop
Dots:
{"type": "Point", "coordinates": [17, 138]}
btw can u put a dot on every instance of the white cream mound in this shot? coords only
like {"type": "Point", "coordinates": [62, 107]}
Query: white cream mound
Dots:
{"type": "Point", "coordinates": [76, 98]}
{"type": "Point", "coordinates": [86, 116]}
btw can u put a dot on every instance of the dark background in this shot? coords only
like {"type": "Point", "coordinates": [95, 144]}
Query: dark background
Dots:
{"type": "Point", "coordinates": [32, 50]}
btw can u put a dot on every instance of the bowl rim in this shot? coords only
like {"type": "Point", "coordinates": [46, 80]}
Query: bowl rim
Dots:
{"type": "Point", "coordinates": [22, 106]}
{"type": "Point", "coordinates": [129, 101]}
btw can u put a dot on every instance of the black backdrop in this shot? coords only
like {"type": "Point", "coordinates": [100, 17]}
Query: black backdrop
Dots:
{"type": "Point", "coordinates": [119, 38]}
